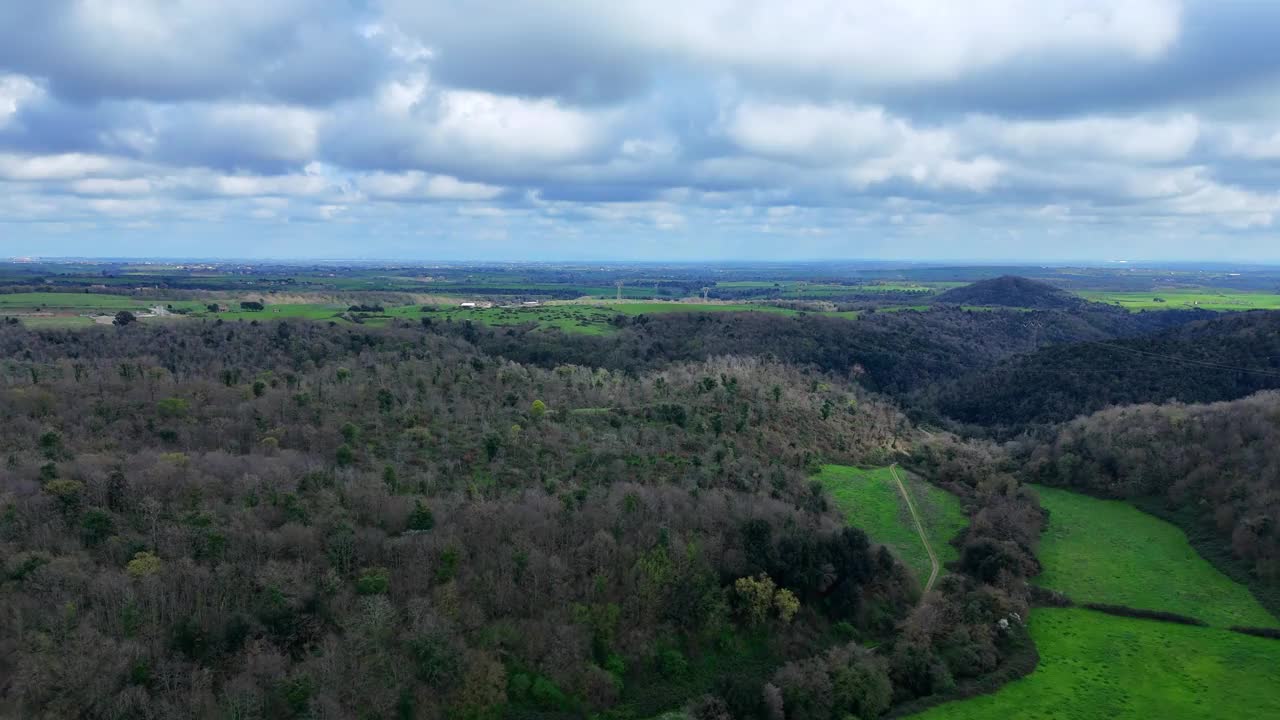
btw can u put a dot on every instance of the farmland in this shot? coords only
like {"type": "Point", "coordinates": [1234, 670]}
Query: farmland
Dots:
{"type": "Point", "coordinates": [1109, 552]}
{"type": "Point", "coordinates": [1182, 299]}
{"type": "Point", "coordinates": [71, 309]}
{"type": "Point", "coordinates": [869, 499]}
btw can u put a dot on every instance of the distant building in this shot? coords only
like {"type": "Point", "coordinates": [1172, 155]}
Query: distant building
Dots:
{"type": "Point", "coordinates": [467, 305]}
{"type": "Point", "coordinates": [530, 303]}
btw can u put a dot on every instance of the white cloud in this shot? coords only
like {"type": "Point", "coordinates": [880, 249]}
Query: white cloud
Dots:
{"type": "Point", "coordinates": [1137, 139]}
{"type": "Point", "coordinates": [112, 186]}
{"type": "Point", "coordinates": [15, 91]}
{"type": "Point", "coordinates": [517, 129]}
{"type": "Point", "coordinates": [417, 185]}
{"type": "Point", "coordinates": [869, 42]}
{"type": "Point", "coordinates": [865, 145]}
{"type": "Point", "coordinates": [67, 166]}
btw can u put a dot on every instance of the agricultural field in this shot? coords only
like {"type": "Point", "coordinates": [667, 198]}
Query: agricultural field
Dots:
{"type": "Point", "coordinates": [806, 290]}
{"type": "Point", "coordinates": [71, 310]}
{"type": "Point", "coordinates": [869, 498]}
{"type": "Point", "coordinates": [1101, 667]}
{"type": "Point", "coordinates": [1183, 299]}
{"type": "Point", "coordinates": [1109, 552]}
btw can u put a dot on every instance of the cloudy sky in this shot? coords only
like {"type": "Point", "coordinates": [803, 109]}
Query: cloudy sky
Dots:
{"type": "Point", "coordinates": [641, 129]}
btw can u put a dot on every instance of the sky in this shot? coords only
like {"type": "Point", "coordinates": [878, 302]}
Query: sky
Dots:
{"type": "Point", "coordinates": [1043, 130]}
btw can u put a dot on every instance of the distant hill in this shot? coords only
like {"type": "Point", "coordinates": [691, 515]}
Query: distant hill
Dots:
{"type": "Point", "coordinates": [1011, 291]}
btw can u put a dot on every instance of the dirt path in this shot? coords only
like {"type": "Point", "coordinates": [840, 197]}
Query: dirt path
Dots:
{"type": "Point", "coordinates": [933, 557]}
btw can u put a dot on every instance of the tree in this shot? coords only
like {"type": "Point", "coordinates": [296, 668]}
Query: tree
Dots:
{"type": "Point", "coordinates": [345, 455]}
{"type": "Point", "coordinates": [252, 305]}
{"type": "Point", "coordinates": [143, 564]}
{"type": "Point", "coordinates": [124, 317]}
{"type": "Point", "coordinates": [537, 409]}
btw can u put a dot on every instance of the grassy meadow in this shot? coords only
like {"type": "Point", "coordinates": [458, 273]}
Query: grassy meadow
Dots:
{"type": "Point", "coordinates": [1109, 552]}
{"type": "Point", "coordinates": [1095, 666]}
{"type": "Point", "coordinates": [1101, 667]}
{"type": "Point", "coordinates": [870, 500]}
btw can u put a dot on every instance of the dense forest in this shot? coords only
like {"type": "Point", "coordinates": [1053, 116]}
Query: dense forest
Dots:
{"type": "Point", "coordinates": [251, 519]}
{"type": "Point", "coordinates": [888, 352]}
{"type": "Point", "coordinates": [1222, 358]}
{"type": "Point", "coordinates": [1212, 466]}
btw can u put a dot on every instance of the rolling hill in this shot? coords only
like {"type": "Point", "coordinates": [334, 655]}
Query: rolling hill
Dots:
{"type": "Point", "coordinates": [1011, 291]}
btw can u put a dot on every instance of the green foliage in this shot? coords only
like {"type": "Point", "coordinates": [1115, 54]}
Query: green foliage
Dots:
{"type": "Point", "coordinates": [671, 664]}
{"type": "Point", "coordinates": [349, 433]}
{"type": "Point", "coordinates": [96, 525]}
{"type": "Point", "coordinates": [345, 456]}
{"type": "Point", "coordinates": [68, 493]}
{"type": "Point", "coordinates": [144, 564]}
{"type": "Point", "coordinates": [373, 581]}
{"type": "Point", "coordinates": [421, 519]}
{"type": "Point", "coordinates": [435, 661]}
{"type": "Point", "coordinates": [759, 598]}
{"type": "Point", "coordinates": [1108, 552]}
{"type": "Point", "coordinates": [447, 566]}
{"type": "Point", "coordinates": [537, 409]}
{"type": "Point", "coordinates": [173, 408]}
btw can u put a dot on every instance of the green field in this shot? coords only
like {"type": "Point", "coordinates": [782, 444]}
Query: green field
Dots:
{"type": "Point", "coordinates": [1100, 667]}
{"type": "Point", "coordinates": [79, 302]}
{"type": "Point", "coordinates": [1109, 552]}
{"type": "Point", "coordinates": [870, 500]}
{"type": "Point", "coordinates": [1183, 299]}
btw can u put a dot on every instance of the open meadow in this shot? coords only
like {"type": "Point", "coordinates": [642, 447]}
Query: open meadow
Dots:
{"type": "Point", "coordinates": [1095, 666]}
{"type": "Point", "coordinates": [869, 499]}
{"type": "Point", "coordinates": [1106, 551]}
{"type": "Point", "coordinates": [1101, 667]}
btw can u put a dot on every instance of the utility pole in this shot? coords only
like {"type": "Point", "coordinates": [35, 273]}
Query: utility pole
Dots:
{"type": "Point", "coordinates": [619, 284]}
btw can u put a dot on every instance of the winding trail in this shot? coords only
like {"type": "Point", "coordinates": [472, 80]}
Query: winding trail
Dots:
{"type": "Point", "coordinates": [933, 557]}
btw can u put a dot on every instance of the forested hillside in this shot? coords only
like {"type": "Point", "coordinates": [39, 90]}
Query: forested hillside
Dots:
{"type": "Point", "coordinates": [895, 353]}
{"type": "Point", "coordinates": [1212, 466]}
{"type": "Point", "coordinates": [303, 520]}
{"type": "Point", "coordinates": [1223, 358]}
{"type": "Point", "coordinates": [1011, 291]}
